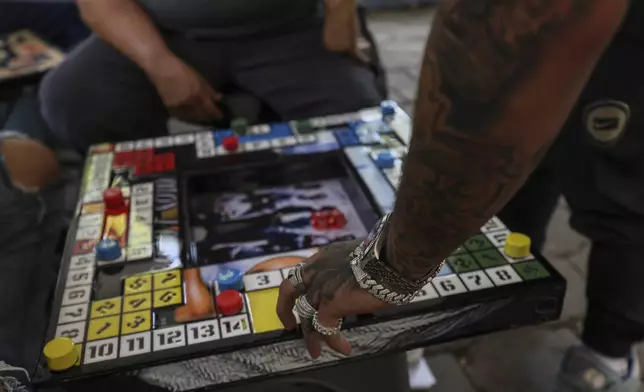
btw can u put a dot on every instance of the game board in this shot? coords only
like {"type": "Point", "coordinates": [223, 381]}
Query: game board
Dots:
{"type": "Point", "coordinates": [181, 242]}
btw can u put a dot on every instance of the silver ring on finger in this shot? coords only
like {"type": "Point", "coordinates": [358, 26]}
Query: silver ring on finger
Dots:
{"type": "Point", "coordinates": [296, 278]}
{"type": "Point", "coordinates": [324, 330]}
{"type": "Point", "coordinates": [304, 308]}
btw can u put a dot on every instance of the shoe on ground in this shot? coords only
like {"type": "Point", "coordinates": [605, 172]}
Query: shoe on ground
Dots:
{"type": "Point", "coordinates": [584, 371]}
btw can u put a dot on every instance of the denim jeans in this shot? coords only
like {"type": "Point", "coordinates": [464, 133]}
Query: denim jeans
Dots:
{"type": "Point", "coordinates": [30, 228]}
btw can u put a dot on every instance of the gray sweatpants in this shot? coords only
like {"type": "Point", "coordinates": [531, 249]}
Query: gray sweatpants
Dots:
{"type": "Point", "coordinates": [99, 95]}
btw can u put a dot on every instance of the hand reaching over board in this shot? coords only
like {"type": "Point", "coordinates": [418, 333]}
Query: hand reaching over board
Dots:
{"type": "Point", "coordinates": [329, 293]}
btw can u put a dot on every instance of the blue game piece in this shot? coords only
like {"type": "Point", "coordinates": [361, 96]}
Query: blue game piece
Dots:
{"type": "Point", "coordinates": [230, 279]}
{"type": "Point", "coordinates": [108, 250]}
{"type": "Point", "coordinates": [385, 160]}
{"type": "Point", "coordinates": [388, 108]}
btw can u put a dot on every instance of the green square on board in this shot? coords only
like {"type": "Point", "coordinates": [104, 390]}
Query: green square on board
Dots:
{"type": "Point", "coordinates": [530, 270]}
{"type": "Point", "coordinates": [478, 242]}
{"type": "Point", "coordinates": [462, 263]}
{"type": "Point", "coordinates": [489, 258]}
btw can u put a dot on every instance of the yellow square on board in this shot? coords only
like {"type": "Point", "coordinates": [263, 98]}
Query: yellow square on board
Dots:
{"type": "Point", "coordinates": [167, 279]}
{"type": "Point", "coordinates": [102, 328]}
{"type": "Point", "coordinates": [106, 307]}
{"type": "Point", "coordinates": [168, 297]}
{"type": "Point", "coordinates": [136, 302]}
{"type": "Point", "coordinates": [136, 322]}
{"type": "Point", "coordinates": [79, 350]}
{"type": "Point", "coordinates": [262, 307]}
{"type": "Point", "coordinates": [138, 284]}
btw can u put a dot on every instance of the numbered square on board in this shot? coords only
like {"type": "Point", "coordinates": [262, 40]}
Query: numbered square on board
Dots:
{"type": "Point", "coordinates": [426, 293]}
{"type": "Point", "coordinates": [103, 328]}
{"type": "Point", "coordinates": [136, 322]}
{"type": "Point", "coordinates": [530, 270]}
{"type": "Point", "coordinates": [138, 284]}
{"type": "Point", "coordinates": [449, 285]}
{"type": "Point", "coordinates": [234, 326]}
{"type": "Point", "coordinates": [74, 331]}
{"type": "Point", "coordinates": [504, 275]}
{"type": "Point", "coordinates": [136, 344]}
{"type": "Point", "coordinates": [137, 302]}
{"type": "Point", "coordinates": [73, 313]}
{"type": "Point", "coordinates": [262, 305]}
{"type": "Point", "coordinates": [167, 297]}
{"type": "Point", "coordinates": [476, 280]}
{"type": "Point", "coordinates": [167, 338]}
{"type": "Point", "coordinates": [80, 277]}
{"type": "Point", "coordinates": [101, 350]}
{"type": "Point", "coordinates": [106, 307]}
{"type": "Point", "coordinates": [167, 279]}
{"type": "Point", "coordinates": [203, 331]}
{"type": "Point", "coordinates": [76, 295]}
{"type": "Point", "coordinates": [262, 280]}
{"type": "Point", "coordinates": [497, 238]}
{"type": "Point", "coordinates": [489, 258]}
{"type": "Point", "coordinates": [462, 263]}
{"type": "Point", "coordinates": [82, 262]}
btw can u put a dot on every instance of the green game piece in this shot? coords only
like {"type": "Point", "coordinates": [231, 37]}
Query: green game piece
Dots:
{"type": "Point", "coordinates": [239, 126]}
{"type": "Point", "coordinates": [304, 127]}
{"type": "Point", "coordinates": [462, 263]}
{"type": "Point", "coordinates": [489, 258]}
{"type": "Point", "coordinates": [530, 270]}
{"type": "Point", "coordinates": [478, 242]}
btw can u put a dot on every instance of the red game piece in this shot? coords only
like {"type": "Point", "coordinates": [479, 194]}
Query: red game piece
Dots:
{"type": "Point", "coordinates": [230, 143]}
{"type": "Point", "coordinates": [336, 219]}
{"type": "Point", "coordinates": [229, 302]}
{"type": "Point", "coordinates": [319, 220]}
{"type": "Point", "coordinates": [113, 198]}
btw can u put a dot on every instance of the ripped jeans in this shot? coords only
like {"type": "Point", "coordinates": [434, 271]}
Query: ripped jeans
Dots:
{"type": "Point", "coordinates": [30, 229]}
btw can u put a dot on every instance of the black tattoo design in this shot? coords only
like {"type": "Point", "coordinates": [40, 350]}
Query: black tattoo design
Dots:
{"type": "Point", "coordinates": [330, 272]}
{"type": "Point", "coordinates": [461, 168]}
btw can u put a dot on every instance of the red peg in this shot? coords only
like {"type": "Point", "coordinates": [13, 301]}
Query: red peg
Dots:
{"type": "Point", "coordinates": [230, 143]}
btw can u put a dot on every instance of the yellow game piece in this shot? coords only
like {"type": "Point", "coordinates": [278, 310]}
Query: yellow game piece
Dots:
{"type": "Point", "coordinates": [136, 322]}
{"type": "Point", "coordinates": [167, 297]}
{"type": "Point", "coordinates": [517, 245]}
{"type": "Point", "coordinates": [106, 307]}
{"type": "Point", "coordinates": [167, 279]}
{"type": "Point", "coordinates": [133, 303]}
{"type": "Point", "coordinates": [262, 306]}
{"type": "Point", "coordinates": [106, 327]}
{"type": "Point", "coordinates": [60, 354]}
{"type": "Point", "coordinates": [138, 284]}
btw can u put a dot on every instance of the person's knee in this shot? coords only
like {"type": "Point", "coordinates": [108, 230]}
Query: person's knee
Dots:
{"type": "Point", "coordinates": [30, 165]}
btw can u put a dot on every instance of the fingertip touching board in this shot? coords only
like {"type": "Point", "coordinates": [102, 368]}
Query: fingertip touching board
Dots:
{"type": "Point", "coordinates": [180, 245]}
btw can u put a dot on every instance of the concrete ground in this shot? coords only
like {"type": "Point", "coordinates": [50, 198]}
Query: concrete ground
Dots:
{"type": "Point", "coordinates": [526, 360]}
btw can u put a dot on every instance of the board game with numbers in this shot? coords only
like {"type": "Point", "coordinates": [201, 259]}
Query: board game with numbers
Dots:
{"type": "Point", "coordinates": [181, 242]}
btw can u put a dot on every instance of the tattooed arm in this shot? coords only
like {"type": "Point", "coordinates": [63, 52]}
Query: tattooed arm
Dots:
{"type": "Point", "coordinates": [498, 80]}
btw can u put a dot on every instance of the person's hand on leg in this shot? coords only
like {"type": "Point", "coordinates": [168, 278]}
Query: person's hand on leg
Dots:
{"type": "Point", "coordinates": [185, 93]}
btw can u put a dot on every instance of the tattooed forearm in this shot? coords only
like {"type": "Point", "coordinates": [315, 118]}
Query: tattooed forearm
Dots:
{"type": "Point", "coordinates": [497, 82]}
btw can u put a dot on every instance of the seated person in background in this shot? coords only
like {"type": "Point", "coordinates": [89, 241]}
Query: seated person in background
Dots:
{"type": "Point", "coordinates": [151, 59]}
{"type": "Point", "coordinates": [31, 198]}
